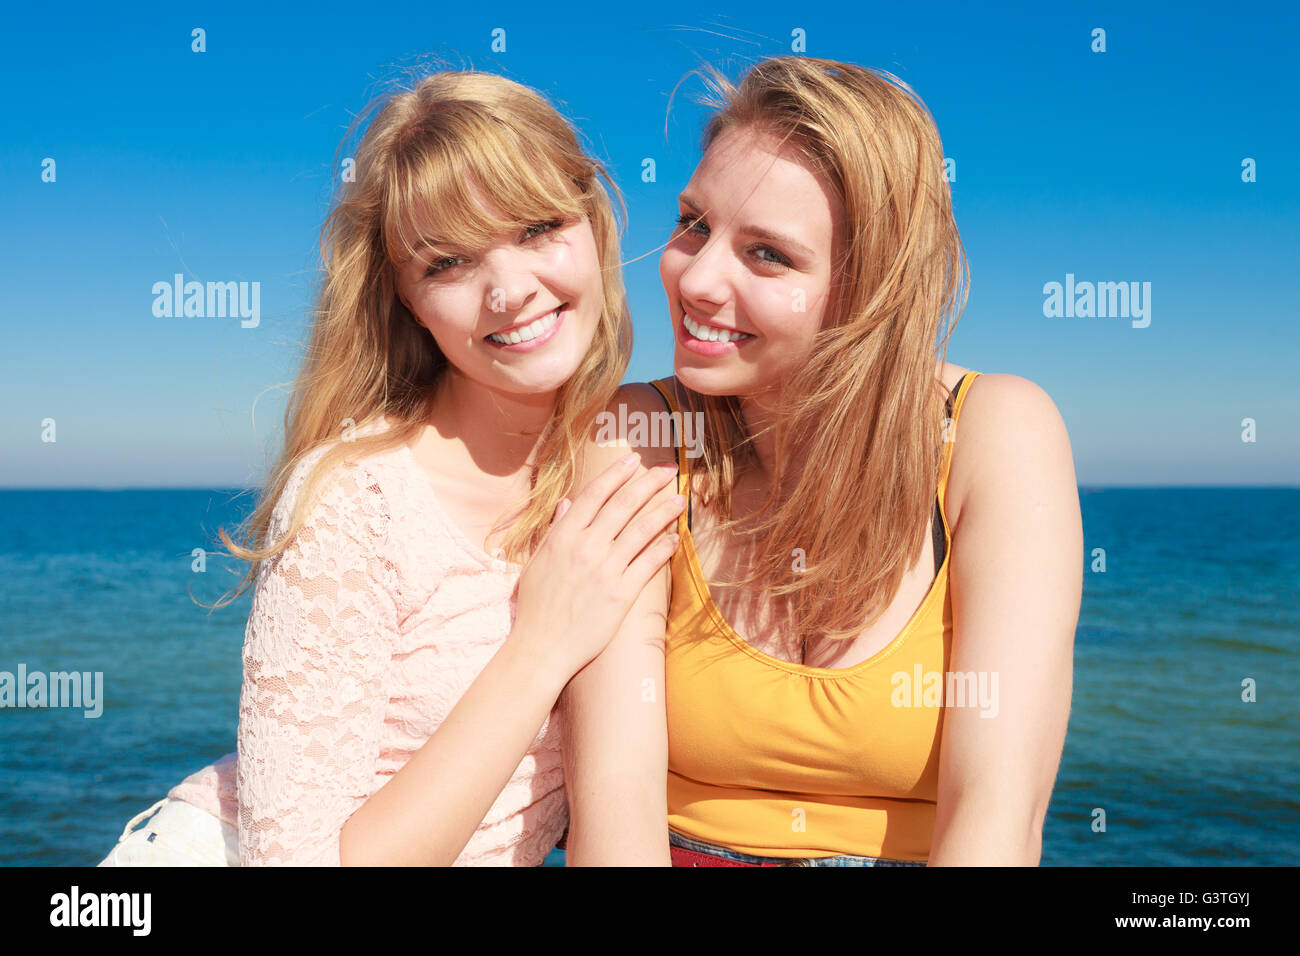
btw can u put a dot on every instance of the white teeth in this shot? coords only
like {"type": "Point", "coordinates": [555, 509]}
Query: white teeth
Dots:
{"type": "Point", "coordinates": [707, 333]}
{"type": "Point", "coordinates": [528, 332]}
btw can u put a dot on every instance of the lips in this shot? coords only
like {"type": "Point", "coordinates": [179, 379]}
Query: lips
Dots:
{"type": "Point", "coordinates": [708, 347]}
{"type": "Point", "coordinates": [527, 331]}
{"type": "Point", "coordinates": [536, 335]}
{"type": "Point", "coordinates": [711, 333]}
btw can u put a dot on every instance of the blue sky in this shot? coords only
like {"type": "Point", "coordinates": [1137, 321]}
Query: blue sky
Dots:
{"type": "Point", "coordinates": [1117, 166]}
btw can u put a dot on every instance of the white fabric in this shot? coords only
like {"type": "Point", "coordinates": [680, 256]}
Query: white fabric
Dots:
{"type": "Point", "coordinates": [177, 835]}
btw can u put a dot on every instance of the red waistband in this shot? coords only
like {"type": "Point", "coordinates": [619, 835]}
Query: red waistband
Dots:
{"type": "Point", "coordinates": [683, 857]}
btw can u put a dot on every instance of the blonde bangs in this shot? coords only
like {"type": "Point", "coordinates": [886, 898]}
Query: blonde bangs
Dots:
{"type": "Point", "coordinates": [431, 208]}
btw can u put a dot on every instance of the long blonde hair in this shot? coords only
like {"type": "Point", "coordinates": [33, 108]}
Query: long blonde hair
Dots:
{"type": "Point", "coordinates": [866, 408]}
{"type": "Point", "coordinates": [429, 145]}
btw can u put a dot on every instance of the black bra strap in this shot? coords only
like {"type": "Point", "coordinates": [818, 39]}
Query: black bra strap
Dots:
{"type": "Point", "coordinates": [937, 535]}
{"type": "Point", "coordinates": [678, 448]}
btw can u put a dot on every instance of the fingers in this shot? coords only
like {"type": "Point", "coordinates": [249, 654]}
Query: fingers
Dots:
{"type": "Point", "coordinates": [588, 501]}
{"type": "Point", "coordinates": [649, 561]}
{"type": "Point", "coordinates": [651, 520]}
{"type": "Point", "coordinates": [560, 511]}
{"type": "Point", "coordinates": [629, 500]}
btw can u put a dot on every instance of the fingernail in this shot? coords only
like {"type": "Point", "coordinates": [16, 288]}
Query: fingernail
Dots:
{"type": "Point", "coordinates": [628, 460]}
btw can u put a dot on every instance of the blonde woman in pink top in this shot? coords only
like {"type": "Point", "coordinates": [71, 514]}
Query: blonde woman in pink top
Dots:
{"type": "Point", "coordinates": [426, 578]}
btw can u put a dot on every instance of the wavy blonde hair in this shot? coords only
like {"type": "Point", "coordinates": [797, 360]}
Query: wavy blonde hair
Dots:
{"type": "Point", "coordinates": [865, 407]}
{"type": "Point", "coordinates": [429, 146]}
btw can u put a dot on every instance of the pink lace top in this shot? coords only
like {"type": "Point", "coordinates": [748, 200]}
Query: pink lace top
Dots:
{"type": "Point", "coordinates": [363, 634]}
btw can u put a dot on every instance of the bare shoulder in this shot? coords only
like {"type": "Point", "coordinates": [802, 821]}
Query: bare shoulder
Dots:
{"type": "Point", "coordinates": [635, 420]}
{"type": "Point", "coordinates": [644, 397]}
{"type": "Point", "coordinates": [950, 375]}
{"type": "Point", "coordinates": [1006, 404]}
{"type": "Point", "coordinates": [680, 393]}
{"type": "Point", "coordinates": [1010, 435]}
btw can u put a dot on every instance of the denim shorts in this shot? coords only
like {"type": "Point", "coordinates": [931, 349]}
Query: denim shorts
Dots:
{"type": "Point", "coordinates": [699, 846]}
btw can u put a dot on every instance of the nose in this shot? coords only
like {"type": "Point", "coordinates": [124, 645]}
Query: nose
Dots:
{"type": "Point", "coordinates": [510, 283]}
{"type": "Point", "coordinates": [706, 276]}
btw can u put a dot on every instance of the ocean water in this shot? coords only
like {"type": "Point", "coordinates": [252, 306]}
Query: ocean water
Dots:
{"type": "Point", "coordinates": [1199, 594]}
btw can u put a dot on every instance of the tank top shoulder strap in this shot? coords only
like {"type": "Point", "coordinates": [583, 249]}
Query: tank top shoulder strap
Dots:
{"type": "Point", "coordinates": [663, 387]}
{"type": "Point", "coordinates": [953, 413]}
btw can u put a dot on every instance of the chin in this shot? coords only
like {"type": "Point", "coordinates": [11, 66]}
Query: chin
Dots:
{"type": "Point", "coordinates": [741, 381]}
{"type": "Point", "coordinates": [544, 371]}
{"type": "Point", "coordinates": [549, 378]}
{"type": "Point", "coordinates": [707, 380]}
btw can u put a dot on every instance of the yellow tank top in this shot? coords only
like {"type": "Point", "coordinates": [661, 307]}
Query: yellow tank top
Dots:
{"type": "Point", "coordinates": [778, 759]}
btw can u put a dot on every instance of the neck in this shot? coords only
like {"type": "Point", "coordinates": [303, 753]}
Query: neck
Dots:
{"type": "Point", "coordinates": [500, 430]}
{"type": "Point", "coordinates": [760, 414]}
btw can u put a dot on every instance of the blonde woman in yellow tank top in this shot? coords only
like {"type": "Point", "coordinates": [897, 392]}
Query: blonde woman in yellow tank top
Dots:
{"type": "Point", "coordinates": [861, 653]}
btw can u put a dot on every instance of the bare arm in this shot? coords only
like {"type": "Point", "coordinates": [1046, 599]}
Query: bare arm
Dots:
{"type": "Point", "coordinates": [1016, 578]}
{"type": "Point", "coordinates": [572, 596]}
{"type": "Point", "coordinates": [427, 812]}
{"type": "Point", "coordinates": [314, 695]}
{"type": "Point", "coordinates": [616, 740]}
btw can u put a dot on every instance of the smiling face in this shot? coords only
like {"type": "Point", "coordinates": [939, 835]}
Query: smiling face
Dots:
{"type": "Point", "coordinates": [753, 258]}
{"type": "Point", "coordinates": [517, 316]}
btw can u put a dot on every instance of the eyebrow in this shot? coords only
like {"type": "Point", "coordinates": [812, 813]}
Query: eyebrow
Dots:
{"type": "Point", "coordinates": [759, 232]}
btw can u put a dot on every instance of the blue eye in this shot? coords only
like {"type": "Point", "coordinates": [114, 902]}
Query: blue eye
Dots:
{"type": "Point", "coordinates": [532, 232]}
{"type": "Point", "coordinates": [538, 229]}
{"type": "Point", "coordinates": [780, 260]}
{"type": "Point", "coordinates": [441, 265]}
{"type": "Point", "coordinates": [687, 221]}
